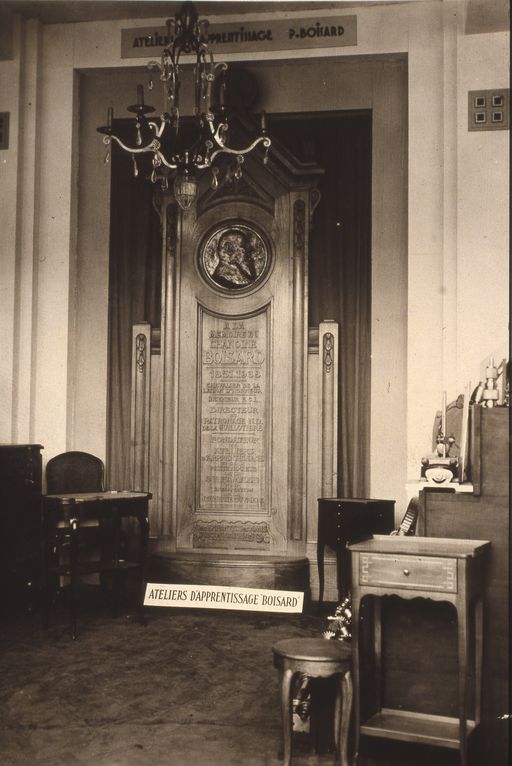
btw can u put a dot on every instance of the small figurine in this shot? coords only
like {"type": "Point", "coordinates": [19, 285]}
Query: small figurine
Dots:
{"type": "Point", "coordinates": [490, 394]}
{"type": "Point", "coordinates": [494, 391]}
{"type": "Point", "coordinates": [441, 467]}
{"type": "Point", "coordinates": [339, 626]}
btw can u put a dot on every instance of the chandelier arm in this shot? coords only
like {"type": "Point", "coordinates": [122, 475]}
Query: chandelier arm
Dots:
{"type": "Point", "coordinates": [163, 161]}
{"type": "Point", "coordinates": [153, 146]}
{"type": "Point", "coordinates": [226, 150]}
{"type": "Point", "coordinates": [159, 129]}
{"type": "Point", "coordinates": [217, 133]}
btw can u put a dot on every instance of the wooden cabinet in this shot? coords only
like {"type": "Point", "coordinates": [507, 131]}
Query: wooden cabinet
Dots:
{"type": "Point", "coordinates": [484, 515]}
{"type": "Point", "coordinates": [20, 523]}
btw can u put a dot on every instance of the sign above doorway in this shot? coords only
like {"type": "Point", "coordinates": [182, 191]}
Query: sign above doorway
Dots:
{"type": "Point", "coordinates": [234, 37]}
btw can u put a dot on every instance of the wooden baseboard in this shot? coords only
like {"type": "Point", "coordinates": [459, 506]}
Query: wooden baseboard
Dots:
{"type": "Point", "coordinates": [249, 571]}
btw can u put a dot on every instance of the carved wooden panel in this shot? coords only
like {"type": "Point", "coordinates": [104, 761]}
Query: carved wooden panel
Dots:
{"type": "Point", "coordinates": [237, 535]}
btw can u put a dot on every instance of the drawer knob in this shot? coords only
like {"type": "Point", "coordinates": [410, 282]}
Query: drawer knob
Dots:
{"type": "Point", "coordinates": [406, 572]}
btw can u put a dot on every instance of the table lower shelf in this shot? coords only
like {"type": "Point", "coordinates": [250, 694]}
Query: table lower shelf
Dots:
{"type": "Point", "coordinates": [92, 567]}
{"type": "Point", "coordinates": [404, 725]}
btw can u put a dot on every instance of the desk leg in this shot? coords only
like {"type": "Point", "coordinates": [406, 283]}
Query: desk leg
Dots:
{"type": "Point", "coordinates": [479, 645]}
{"type": "Point", "coordinates": [116, 550]}
{"type": "Point", "coordinates": [47, 560]}
{"type": "Point", "coordinates": [73, 564]}
{"type": "Point", "coordinates": [463, 645]}
{"type": "Point", "coordinates": [143, 555]}
{"type": "Point", "coordinates": [344, 571]}
{"type": "Point", "coordinates": [286, 714]}
{"type": "Point", "coordinates": [355, 666]}
{"type": "Point", "coordinates": [320, 563]}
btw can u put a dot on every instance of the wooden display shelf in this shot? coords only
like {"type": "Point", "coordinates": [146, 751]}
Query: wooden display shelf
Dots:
{"type": "Point", "coordinates": [408, 726]}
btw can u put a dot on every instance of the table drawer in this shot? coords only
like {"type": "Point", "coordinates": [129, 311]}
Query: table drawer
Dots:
{"type": "Point", "coordinates": [409, 572]}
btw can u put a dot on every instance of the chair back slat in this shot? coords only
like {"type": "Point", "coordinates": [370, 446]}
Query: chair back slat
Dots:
{"type": "Point", "coordinates": [75, 471]}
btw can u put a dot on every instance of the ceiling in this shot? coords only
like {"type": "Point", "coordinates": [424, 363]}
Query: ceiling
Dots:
{"type": "Point", "coordinates": [63, 11]}
{"type": "Point", "coordinates": [481, 15]}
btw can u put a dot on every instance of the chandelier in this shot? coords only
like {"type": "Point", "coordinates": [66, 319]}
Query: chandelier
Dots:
{"type": "Point", "coordinates": [158, 136]}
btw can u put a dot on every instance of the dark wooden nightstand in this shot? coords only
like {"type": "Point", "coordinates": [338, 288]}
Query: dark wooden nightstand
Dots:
{"type": "Point", "coordinates": [345, 520]}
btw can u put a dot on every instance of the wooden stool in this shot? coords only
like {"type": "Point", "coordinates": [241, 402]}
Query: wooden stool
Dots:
{"type": "Point", "coordinates": [318, 658]}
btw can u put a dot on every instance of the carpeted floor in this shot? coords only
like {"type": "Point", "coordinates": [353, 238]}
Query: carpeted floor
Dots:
{"type": "Point", "coordinates": [190, 687]}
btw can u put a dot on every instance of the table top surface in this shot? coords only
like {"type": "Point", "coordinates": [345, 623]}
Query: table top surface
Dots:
{"type": "Point", "coordinates": [91, 497]}
{"type": "Point", "coordinates": [21, 446]}
{"type": "Point", "coordinates": [421, 546]}
{"type": "Point", "coordinates": [354, 500]}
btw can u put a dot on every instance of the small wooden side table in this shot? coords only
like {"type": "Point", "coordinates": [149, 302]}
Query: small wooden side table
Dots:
{"type": "Point", "coordinates": [317, 658]}
{"type": "Point", "coordinates": [439, 569]}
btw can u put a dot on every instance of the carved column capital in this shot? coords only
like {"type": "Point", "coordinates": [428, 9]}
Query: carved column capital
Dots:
{"type": "Point", "coordinates": [140, 351]}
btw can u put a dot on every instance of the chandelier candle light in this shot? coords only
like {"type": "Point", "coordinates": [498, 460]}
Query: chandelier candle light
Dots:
{"type": "Point", "coordinates": [188, 35]}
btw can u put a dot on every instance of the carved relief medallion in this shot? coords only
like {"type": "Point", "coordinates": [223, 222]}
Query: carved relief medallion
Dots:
{"type": "Point", "coordinates": [234, 258]}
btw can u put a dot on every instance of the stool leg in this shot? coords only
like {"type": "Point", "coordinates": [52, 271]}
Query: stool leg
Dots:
{"type": "Point", "coordinates": [286, 714]}
{"type": "Point", "coordinates": [342, 719]}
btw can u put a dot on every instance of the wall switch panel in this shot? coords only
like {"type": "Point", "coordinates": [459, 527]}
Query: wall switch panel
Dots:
{"type": "Point", "coordinates": [488, 109]}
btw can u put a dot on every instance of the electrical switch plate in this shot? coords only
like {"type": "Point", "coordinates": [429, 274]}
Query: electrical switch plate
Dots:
{"type": "Point", "coordinates": [488, 109]}
{"type": "Point", "coordinates": [4, 130]}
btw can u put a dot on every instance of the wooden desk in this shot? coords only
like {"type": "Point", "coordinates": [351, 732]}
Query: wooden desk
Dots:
{"type": "Point", "coordinates": [420, 567]}
{"type": "Point", "coordinates": [67, 515]}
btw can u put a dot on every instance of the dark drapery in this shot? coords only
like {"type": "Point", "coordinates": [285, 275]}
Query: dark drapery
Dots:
{"type": "Point", "coordinates": [134, 296]}
{"type": "Point", "coordinates": [339, 279]}
{"type": "Point", "coordinates": [340, 269]}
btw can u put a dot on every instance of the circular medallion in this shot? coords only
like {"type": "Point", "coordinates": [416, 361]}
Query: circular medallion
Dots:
{"type": "Point", "coordinates": [234, 258]}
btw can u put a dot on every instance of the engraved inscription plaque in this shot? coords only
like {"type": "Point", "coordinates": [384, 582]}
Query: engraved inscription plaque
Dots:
{"type": "Point", "coordinates": [233, 413]}
{"type": "Point", "coordinates": [232, 534]}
